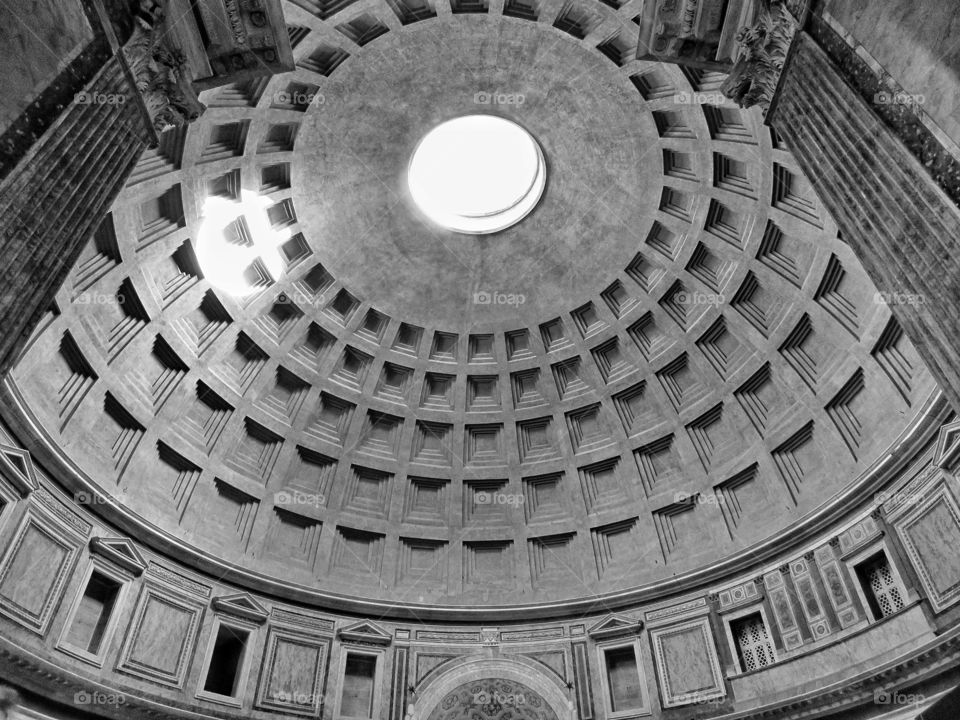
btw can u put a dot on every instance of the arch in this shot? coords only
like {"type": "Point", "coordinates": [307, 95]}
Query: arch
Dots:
{"type": "Point", "coordinates": [516, 670]}
{"type": "Point", "coordinates": [492, 699]}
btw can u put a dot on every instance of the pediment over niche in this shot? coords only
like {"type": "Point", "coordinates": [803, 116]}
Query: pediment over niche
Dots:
{"type": "Point", "coordinates": [240, 605]}
{"type": "Point", "coordinates": [615, 626]}
{"type": "Point", "coordinates": [121, 552]}
{"type": "Point", "coordinates": [365, 633]}
{"type": "Point", "coordinates": [16, 465]}
{"type": "Point", "coordinates": [947, 453]}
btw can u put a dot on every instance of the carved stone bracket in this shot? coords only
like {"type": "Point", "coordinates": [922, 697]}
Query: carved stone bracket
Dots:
{"type": "Point", "coordinates": [764, 46]}
{"type": "Point", "coordinates": [160, 70]}
{"type": "Point", "coordinates": [490, 637]}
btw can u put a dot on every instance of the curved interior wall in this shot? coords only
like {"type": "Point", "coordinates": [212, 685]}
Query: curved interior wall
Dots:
{"type": "Point", "coordinates": [774, 459]}
{"type": "Point", "coordinates": [814, 610]}
{"type": "Point", "coordinates": [680, 386]}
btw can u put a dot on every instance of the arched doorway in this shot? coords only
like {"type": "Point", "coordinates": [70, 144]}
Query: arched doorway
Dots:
{"type": "Point", "coordinates": [483, 688]}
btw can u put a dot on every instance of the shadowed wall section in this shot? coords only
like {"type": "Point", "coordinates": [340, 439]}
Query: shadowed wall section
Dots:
{"type": "Point", "coordinates": [898, 220]}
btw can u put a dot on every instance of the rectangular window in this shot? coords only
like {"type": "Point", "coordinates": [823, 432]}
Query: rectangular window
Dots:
{"type": "Point", "coordinates": [226, 661]}
{"type": "Point", "coordinates": [880, 587]}
{"type": "Point", "coordinates": [359, 676]}
{"type": "Point", "coordinates": [93, 614]}
{"type": "Point", "coordinates": [754, 648]}
{"type": "Point", "coordinates": [623, 679]}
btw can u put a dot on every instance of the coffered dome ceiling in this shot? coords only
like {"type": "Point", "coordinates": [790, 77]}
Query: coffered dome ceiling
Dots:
{"type": "Point", "coordinates": [672, 361]}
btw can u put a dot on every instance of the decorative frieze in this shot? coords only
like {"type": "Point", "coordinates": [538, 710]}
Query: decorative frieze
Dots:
{"type": "Point", "coordinates": [693, 33]}
{"type": "Point", "coordinates": [691, 607]}
{"type": "Point", "coordinates": [47, 501]}
{"type": "Point", "coordinates": [291, 617]}
{"type": "Point", "coordinates": [168, 577]}
{"type": "Point", "coordinates": [547, 633]}
{"type": "Point", "coordinates": [444, 636]}
{"type": "Point", "coordinates": [858, 535]}
{"type": "Point", "coordinates": [742, 594]}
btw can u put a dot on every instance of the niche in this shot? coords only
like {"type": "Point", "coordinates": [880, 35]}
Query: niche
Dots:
{"type": "Point", "coordinates": [359, 682]}
{"type": "Point", "coordinates": [225, 661]}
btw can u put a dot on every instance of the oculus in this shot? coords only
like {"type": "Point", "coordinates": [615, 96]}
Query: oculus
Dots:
{"type": "Point", "coordinates": [477, 174]}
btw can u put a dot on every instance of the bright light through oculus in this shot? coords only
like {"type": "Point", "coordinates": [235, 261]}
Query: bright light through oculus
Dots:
{"type": "Point", "coordinates": [477, 174]}
{"type": "Point", "coordinates": [236, 244]}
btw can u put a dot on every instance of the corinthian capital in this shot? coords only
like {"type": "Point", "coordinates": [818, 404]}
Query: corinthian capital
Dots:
{"type": "Point", "coordinates": [763, 50]}
{"type": "Point", "coordinates": [160, 70]}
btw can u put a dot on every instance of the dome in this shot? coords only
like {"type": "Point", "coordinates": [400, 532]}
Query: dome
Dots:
{"type": "Point", "coordinates": [272, 360]}
{"type": "Point", "coordinates": [479, 360]}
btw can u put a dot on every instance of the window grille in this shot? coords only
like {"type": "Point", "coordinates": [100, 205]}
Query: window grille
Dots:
{"type": "Point", "coordinates": [753, 642]}
{"type": "Point", "coordinates": [885, 590]}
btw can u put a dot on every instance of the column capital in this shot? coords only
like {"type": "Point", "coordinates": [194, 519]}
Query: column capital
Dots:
{"type": "Point", "coordinates": [160, 70]}
{"type": "Point", "coordinates": [763, 46]}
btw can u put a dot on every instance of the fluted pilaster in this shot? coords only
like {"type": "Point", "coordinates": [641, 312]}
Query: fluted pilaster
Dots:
{"type": "Point", "coordinates": [903, 227]}
{"type": "Point", "coordinates": [53, 202]}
